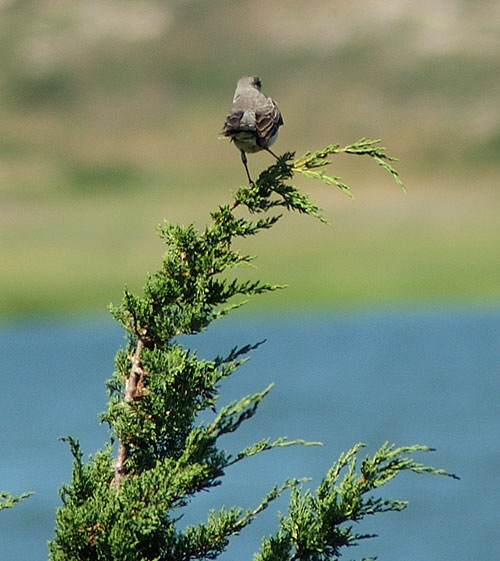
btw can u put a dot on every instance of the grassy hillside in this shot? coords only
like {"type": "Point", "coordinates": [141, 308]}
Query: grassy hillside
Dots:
{"type": "Point", "coordinates": [111, 113]}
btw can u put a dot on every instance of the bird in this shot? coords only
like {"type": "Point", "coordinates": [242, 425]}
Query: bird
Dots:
{"type": "Point", "coordinates": [253, 120]}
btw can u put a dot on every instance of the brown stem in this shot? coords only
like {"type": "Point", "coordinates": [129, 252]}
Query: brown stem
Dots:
{"type": "Point", "coordinates": [132, 384]}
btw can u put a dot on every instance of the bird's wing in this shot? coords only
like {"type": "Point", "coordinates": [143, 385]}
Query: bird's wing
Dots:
{"type": "Point", "coordinates": [267, 123]}
{"type": "Point", "coordinates": [232, 123]}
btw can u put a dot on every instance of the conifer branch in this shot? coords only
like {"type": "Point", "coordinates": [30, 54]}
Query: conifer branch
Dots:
{"type": "Point", "coordinates": [318, 525]}
{"type": "Point", "coordinates": [128, 507]}
{"type": "Point", "coordinates": [309, 163]}
{"type": "Point", "coordinates": [8, 501]}
{"type": "Point", "coordinates": [266, 444]}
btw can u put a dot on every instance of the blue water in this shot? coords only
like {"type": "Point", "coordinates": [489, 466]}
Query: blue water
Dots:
{"type": "Point", "coordinates": [408, 376]}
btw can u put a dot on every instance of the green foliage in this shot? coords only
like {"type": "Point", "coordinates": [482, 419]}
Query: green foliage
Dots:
{"type": "Point", "coordinates": [318, 525]}
{"type": "Point", "coordinates": [8, 501]}
{"type": "Point", "coordinates": [309, 163]}
{"type": "Point", "coordinates": [124, 503]}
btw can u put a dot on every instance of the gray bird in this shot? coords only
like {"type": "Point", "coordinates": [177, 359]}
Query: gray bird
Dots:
{"type": "Point", "coordinates": [253, 121]}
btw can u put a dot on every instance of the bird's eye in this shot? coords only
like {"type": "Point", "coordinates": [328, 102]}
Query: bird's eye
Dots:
{"type": "Point", "coordinates": [257, 82]}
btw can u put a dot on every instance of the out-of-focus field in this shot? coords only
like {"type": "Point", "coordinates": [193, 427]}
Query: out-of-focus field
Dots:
{"type": "Point", "coordinates": [111, 113]}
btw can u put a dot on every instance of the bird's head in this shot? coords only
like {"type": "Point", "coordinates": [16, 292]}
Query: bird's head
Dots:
{"type": "Point", "coordinates": [252, 81]}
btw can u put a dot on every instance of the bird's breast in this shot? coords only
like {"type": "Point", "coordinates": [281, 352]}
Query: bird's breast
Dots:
{"type": "Point", "coordinates": [246, 141]}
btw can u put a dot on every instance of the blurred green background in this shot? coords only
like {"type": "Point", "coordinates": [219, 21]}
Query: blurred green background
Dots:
{"type": "Point", "coordinates": [111, 112]}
